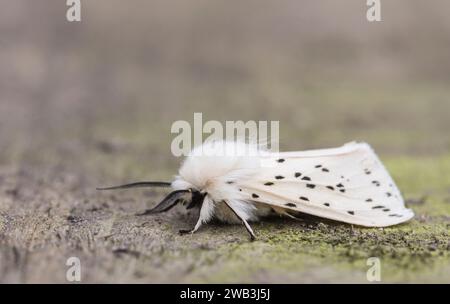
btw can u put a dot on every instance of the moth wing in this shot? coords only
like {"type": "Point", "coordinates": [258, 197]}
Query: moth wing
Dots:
{"type": "Point", "coordinates": [348, 184]}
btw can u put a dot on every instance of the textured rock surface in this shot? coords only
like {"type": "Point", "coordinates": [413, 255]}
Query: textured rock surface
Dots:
{"type": "Point", "coordinates": [83, 106]}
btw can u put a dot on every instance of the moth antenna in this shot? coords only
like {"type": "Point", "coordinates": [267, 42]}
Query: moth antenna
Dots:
{"type": "Point", "coordinates": [167, 203]}
{"type": "Point", "coordinates": [138, 185]}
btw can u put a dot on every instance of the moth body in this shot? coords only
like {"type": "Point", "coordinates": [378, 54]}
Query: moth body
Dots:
{"type": "Point", "coordinates": [236, 182]}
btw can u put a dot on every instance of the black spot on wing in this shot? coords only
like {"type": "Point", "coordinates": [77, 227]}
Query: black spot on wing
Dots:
{"type": "Point", "coordinates": [279, 177]}
{"type": "Point", "coordinates": [311, 186]}
{"type": "Point", "coordinates": [386, 209]}
{"type": "Point", "coordinates": [395, 215]}
{"type": "Point", "coordinates": [306, 178]}
{"type": "Point", "coordinates": [330, 187]}
{"type": "Point", "coordinates": [378, 207]}
{"type": "Point", "coordinates": [376, 183]}
{"type": "Point", "coordinates": [290, 205]}
{"type": "Point", "coordinates": [230, 182]}
{"type": "Point", "coordinates": [281, 160]}
{"type": "Point", "coordinates": [388, 194]}
{"type": "Point", "coordinates": [268, 184]}
{"type": "Point", "coordinates": [297, 174]}
{"type": "Point", "coordinates": [254, 195]}
{"type": "Point", "coordinates": [340, 185]}
{"type": "Point", "coordinates": [326, 204]}
{"type": "Point", "coordinates": [325, 170]}
{"type": "Point", "coordinates": [351, 212]}
{"type": "Point", "coordinates": [304, 198]}
{"type": "Point", "coordinates": [318, 166]}
{"type": "Point", "coordinates": [342, 190]}
{"type": "Point", "coordinates": [369, 200]}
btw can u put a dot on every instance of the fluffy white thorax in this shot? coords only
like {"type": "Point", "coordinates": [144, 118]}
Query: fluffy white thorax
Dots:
{"type": "Point", "coordinates": [216, 166]}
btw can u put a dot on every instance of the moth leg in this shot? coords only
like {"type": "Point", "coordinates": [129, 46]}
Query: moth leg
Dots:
{"type": "Point", "coordinates": [201, 217]}
{"type": "Point", "coordinates": [191, 231]}
{"type": "Point", "coordinates": [291, 216]}
{"type": "Point", "coordinates": [247, 226]}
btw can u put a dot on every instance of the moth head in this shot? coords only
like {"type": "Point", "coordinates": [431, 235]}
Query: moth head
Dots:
{"type": "Point", "coordinates": [190, 197]}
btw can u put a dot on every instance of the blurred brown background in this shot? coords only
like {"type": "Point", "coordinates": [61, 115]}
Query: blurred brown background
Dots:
{"type": "Point", "coordinates": [92, 102]}
{"type": "Point", "coordinates": [128, 70]}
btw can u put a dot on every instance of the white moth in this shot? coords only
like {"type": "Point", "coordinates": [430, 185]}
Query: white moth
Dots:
{"type": "Point", "coordinates": [235, 182]}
